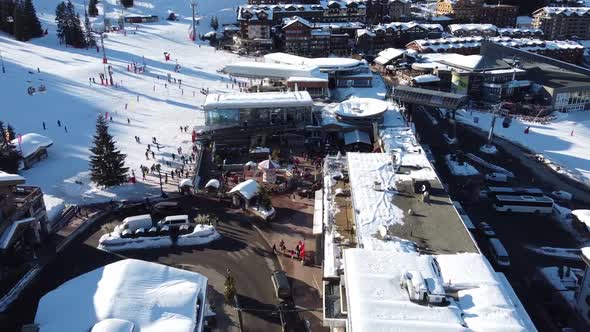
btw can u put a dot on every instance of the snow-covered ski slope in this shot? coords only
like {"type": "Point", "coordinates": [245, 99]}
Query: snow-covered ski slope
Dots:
{"type": "Point", "coordinates": [153, 109]}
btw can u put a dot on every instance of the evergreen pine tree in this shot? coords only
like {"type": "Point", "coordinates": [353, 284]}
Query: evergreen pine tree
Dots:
{"type": "Point", "coordinates": [9, 154]}
{"type": "Point", "coordinates": [214, 23]}
{"type": "Point", "coordinates": [19, 25]}
{"type": "Point", "coordinates": [31, 20]}
{"type": "Point", "coordinates": [89, 36]}
{"type": "Point", "coordinates": [92, 9]}
{"type": "Point", "coordinates": [107, 164]}
{"type": "Point", "coordinates": [60, 19]}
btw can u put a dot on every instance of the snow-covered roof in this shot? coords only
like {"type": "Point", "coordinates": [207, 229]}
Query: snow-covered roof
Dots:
{"type": "Point", "coordinates": [31, 143]}
{"type": "Point", "coordinates": [514, 31]}
{"type": "Point", "coordinates": [11, 178]}
{"type": "Point", "coordinates": [389, 54]}
{"type": "Point", "coordinates": [154, 297]}
{"type": "Point", "coordinates": [436, 45]}
{"type": "Point", "coordinates": [402, 142]}
{"type": "Point", "coordinates": [248, 189]}
{"type": "Point", "coordinates": [586, 253]}
{"type": "Point", "coordinates": [376, 302]}
{"type": "Point", "coordinates": [290, 20]}
{"type": "Point", "coordinates": [374, 209]}
{"type": "Point", "coordinates": [361, 107]}
{"type": "Point", "coordinates": [400, 26]}
{"type": "Point", "coordinates": [272, 70]}
{"type": "Point", "coordinates": [583, 216]}
{"type": "Point", "coordinates": [257, 100]}
{"type": "Point", "coordinates": [323, 63]}
{"type": "Point", "coordinates": [565, 11]}
{"type": "Point", "coordinates": [113, 325]}
{"type": "Point", "coordinates": [214, 183]}
{"type": "Point", "coordinates": [471, 27]}
{"type": "Point", "coordinates": [308, 79]}
{"type": "Point", "coordinates": [426, 78]}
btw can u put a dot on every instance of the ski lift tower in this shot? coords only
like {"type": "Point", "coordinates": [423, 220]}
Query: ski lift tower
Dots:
{"type": "Point", "coordinates": [489, 147]}
{"type": "Point", "coordinates": [194, 7]}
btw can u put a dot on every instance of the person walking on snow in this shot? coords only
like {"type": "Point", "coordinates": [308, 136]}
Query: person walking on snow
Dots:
{"type": "Point", "coordinates": [128, 121]}
{"type": "Point", "coordinates": [153, 155]}
{"type": "Point", "coordinates": [44, 125]}
{"type": "Point", "coordinates": [58, 123]}
{"type": "Point", "coordinates": [66, 128]}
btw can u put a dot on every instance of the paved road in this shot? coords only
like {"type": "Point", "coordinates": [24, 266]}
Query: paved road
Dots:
{"type": "Point", "coordinates": [241, 249]}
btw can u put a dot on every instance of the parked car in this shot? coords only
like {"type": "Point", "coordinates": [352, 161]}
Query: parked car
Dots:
{"type": "Point", "coordinates": [139, 232]}
{"type": "Point", "coordinates": [175, 221]}
{"type": "Point", "coordinates": [486, 229]}
{"type": "Point", "coordinates": [153, 231]}
{"type": "Point", "coordinates": [134, 223]}
{"type": "Point", "coordinates": [497, 177]}
{"type": "Point", "coordinates": [281, 284]}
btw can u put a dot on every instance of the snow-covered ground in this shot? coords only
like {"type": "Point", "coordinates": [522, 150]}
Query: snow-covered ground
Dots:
{"type": "Point", "coordinates": [458, 169]}
{"type": "Point", "coordinates": [564, 140]}
{"type": "Point", "coordinates": [153, 108]}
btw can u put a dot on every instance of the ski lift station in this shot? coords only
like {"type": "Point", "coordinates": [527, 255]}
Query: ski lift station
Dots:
{"type": "Point", "coordinates": [397, 253]}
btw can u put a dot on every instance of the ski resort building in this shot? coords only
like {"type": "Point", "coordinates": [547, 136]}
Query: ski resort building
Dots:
{"type": "Point", "coordinates": [564, 50]}
{"type": "Point", "coordinates": [397, 254]}
{"type": "Point", "coordinates": [128, 295]}
{"type": "Point", "coordinates": [33, 148]}
{"type": "Point", "coordinates": [23, 219]}
{"type": "Point", "coordinates": [342, 72]}
{"type": "Point", "coordinates": [258, 109]}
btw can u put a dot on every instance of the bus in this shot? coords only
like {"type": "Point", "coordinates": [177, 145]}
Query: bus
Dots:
{"type": "Point", "coordinates": [518, 191]}
{"type": "Point", "coordinates": [523, 204]}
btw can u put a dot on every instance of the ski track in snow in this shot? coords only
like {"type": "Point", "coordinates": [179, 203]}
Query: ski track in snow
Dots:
{"type": "Point", "coordinates": [71, 99]}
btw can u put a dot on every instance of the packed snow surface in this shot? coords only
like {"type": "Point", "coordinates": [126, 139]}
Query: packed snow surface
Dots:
{"type": "Point", "coordinates": [154, 106]}
{"type": "Point", "coordinates": [154, 297]}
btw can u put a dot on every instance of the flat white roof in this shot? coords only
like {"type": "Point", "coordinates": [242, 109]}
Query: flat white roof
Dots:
{"type": "Point", "coordinates": [324, 63]}
{"type": "Point", "coordinates": [377, 303]}
{"type": "Point", "coordinates": [426, 78]}
{"type": "Point", "coordinates": [272, 70]}
{"type": "Point", "coordinates": [361, 107]}
{"type": "Point", "coordinates": [258, 100]}
{"type": "Point", "coordinates": [152, 296]}
{"type": "Point", "coordinates": [374, 209]}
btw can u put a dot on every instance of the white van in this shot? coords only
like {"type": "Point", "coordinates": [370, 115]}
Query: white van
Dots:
{"type": "Point", "coordinates": [497, 177]}
{"type": "Point", "coordinates": [134, 223]}
{"type": "Point", "coordinates": [174, 221]}
{"type": "Point", "coordinates": [499, 253]}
